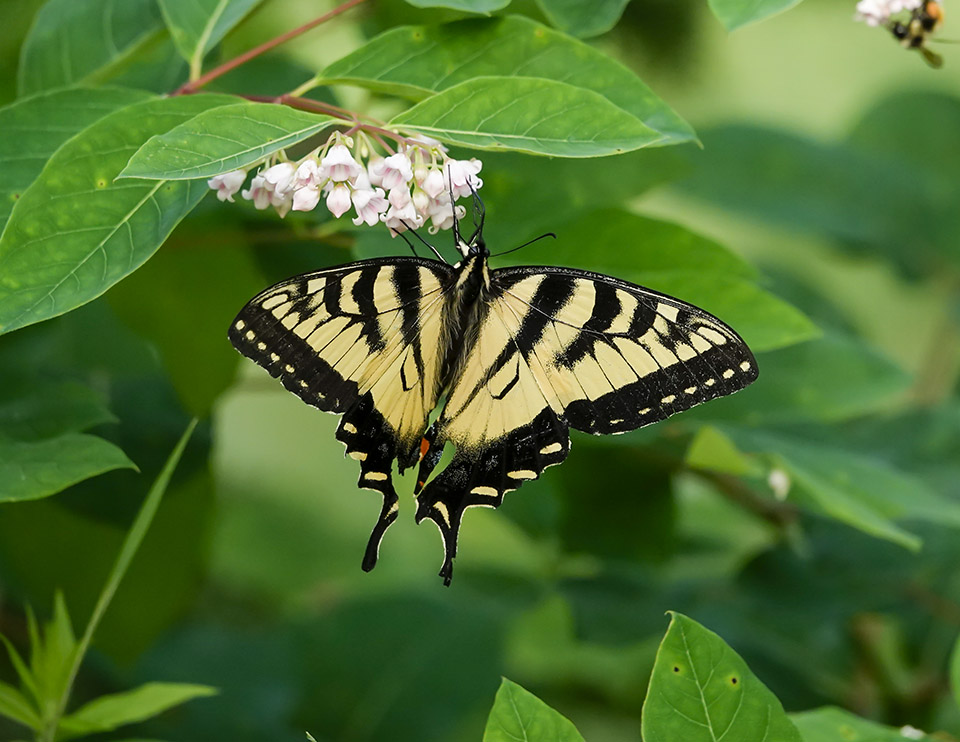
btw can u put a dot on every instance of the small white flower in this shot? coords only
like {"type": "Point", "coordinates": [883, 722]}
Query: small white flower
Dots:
{"type": "Point", "coordinates": [282, 202]}
{"type": "Point", "coordinates": [375, 167]}
{"type": "Point", "coordinates": [398, 218]}
{"type": "Point", "coordinates": [878, 12]}
{"type": "Point", "coordinates": [308, 174]}
{"type": "Point", "coordinates": [279, 178]}
{"type": "Point", "coordinates": [399, 197]}
{"type": "Point", "coordinates": [339, 200]}
{"type": "Point", "coordinates": [257, 193]}
{"type": "Point", "coordinates": [227, 184]}
{"type": "Point", "coordinates": [433, 184]}
{"type": "Point", "coordinates": [779, 482]}
{"type": "Point", "coordinates": [339, 165]}
{"type": "Point", "coordinates": [396, 170]}
{"type": "Point", "coordinates": [912, 732]}
{"type": "Point", "coordinates": [461, 175]}
{"type": "Point", "coordinates": [306, 198]}
{"type": "Point", "coordinates": [369, 203]}
{"type": "Point", "coordinates": [421, 201]}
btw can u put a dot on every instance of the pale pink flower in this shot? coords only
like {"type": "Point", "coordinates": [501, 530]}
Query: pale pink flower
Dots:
{"type": "Point", "coordinates": [461, 175]}
{"type": "Point", "coordinates": [433, 184]}
{"type": "Point", "coordinates": [306, 198]}
{"type": "Point", "coordinates": [279, 178]}
{"type": "Point", "coordinates": [308, 175]}
{"type": "Point", "coordinates": [396, 171]}
{"type": "Point", "coordinates": [375, 167]}
{"type": "Point", "coordinates": [227, 184]}
{"type": "Point", "coordinates": [339, 200]}
{"type": "Point", "coordinates": [398, 218]}
{"type": "Point", "coordinates": [421, 201]}
{"type": "Point", "coordinates": [369, 203]}
{"type": "Point", "coordinates": [258, 193]}
{"type": "Point", "coordinates": [339, 165]}
{"type": "Point", "coordinates": [399, 197]}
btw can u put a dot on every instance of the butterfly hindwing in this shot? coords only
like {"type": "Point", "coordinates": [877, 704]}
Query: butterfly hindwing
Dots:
{"type": "Point", "coordinates": [361, 340]}
{"type": "Point", "coordinates": [559, 347]}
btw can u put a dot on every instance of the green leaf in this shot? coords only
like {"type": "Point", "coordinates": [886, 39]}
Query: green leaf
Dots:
{"type": "Point", "coordinates": [45, 410]}
{"type": "Point", "coordinates": [76, 232]}
{"type": "Point", "coordinates": [955, 672]}
{"type": "Point", "coordinates": [702, 691]}
{"type": "Point", "coordinates": [583, 19]}
{"type": "Point", "coordinates": [468, 6]}
{"type": "Point", "coordinates": [517, 714]}
{"type": "Point", "coordinates": [528, 114]}
{"type": "Point", "coordinates": [713, 450]}
{"type": "Point", "coordinates": [829, 724]}
{"type": "Point", "coordinates": [33, 128]}
{"type": "Point", "coordinates": [863, 492]}
{"type": "Point", "coordinates": [117, 709]}
{"type": "Point", "coordinates": [831, 378]}
{"type": "Point", "coordinates": [734, 14]}
{"type": "Point", "coordinates": [30, 470]}
{"type": "Point", "coordinates": [14, 706]}
{"type": "Point", "coordinates": [415, 61]}
{"type": "Point", "coordinates": [198, 25]}
{"type": "Point", "coordinates": [223, 139]}
{"type": "Point", "coordinates": [77, 41]}
{"type": "Point", "coordinates": [23, 672]}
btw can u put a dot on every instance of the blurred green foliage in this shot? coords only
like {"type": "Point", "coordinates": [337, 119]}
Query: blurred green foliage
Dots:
{"type": "Point", "coordinates": [810, 520]}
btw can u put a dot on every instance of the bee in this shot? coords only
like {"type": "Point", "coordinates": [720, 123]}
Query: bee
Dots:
{"type": "Point", "coordinates": [912, 33]}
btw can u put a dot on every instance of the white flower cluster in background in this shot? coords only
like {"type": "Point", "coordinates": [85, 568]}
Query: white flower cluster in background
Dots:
{"type": "Point", "coordinates": [878, 12]}
{"type": "Point", "coordinates": [405, 189]}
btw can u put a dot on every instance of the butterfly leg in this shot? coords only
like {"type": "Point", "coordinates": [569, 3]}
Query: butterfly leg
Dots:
{"type": "Point", "coordinates": [370, 441]}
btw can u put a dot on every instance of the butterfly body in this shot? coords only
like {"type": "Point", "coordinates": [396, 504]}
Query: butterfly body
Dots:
{"type": "Point", "coordinates": [521, 355]}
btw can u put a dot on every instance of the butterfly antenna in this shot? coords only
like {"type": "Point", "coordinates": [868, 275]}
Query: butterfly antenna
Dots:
{"type": "Point", "coordinates": [407, 240]}
{"type": "Point", "coordinates": [478, 209]}
{"type": "Point", "coordinates": [417, 235]}
{"type": "Point", "coordinates": [453, 205]}
{"type": "Point", "coordinates": [528, 242]}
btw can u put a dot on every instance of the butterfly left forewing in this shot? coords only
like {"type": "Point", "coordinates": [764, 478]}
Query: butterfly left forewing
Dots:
{"type": "Point", "coordinates": [360, 341]}
{"type": "Point", "coordinates": [559, 347]}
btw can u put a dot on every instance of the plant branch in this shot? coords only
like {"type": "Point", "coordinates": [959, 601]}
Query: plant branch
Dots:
{"type": "Point", "coordinates": [193, 85]}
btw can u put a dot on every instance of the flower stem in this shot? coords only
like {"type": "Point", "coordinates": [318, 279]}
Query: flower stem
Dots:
{"type": "Point", "coordinates": [193, 85]}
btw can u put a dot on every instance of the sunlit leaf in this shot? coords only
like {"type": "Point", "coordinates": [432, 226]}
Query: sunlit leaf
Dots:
{"type": "Point", "coordinates": [117, 709]}
{"type": "Point", "coordinates": [583, 19]}
{"type": "Point", "coordinates": [76, 231]}
{"type": "Point", "coordinates": [736, 13]}
{"type": "Point", "coordinates": [221, 140]}
{"type": "Point", "coordinates": [415, 61]}
{"type": "Point", "coordinates": [831, 724]}
{"type": "Point", "coordinates": [198, 25]}
{"type": "Point", "coordinates": [77, 41]}
{"type": "Point", "coordinates": [528, 114]}
{"type": "Point", "coordinates": [37, 469]}
{"type": "Point", "coordinates": [14, 706]}
{"type": "Point", "coordinates": [861, 491]}
{"type": "Point", "coordinates": [702, 691]}
{"type": "Point", "coordinates": [517, 714]}
{"type": "Point", "coordinates": [33, 128]}
{"type": "Point", "coordinates": [712, 449]}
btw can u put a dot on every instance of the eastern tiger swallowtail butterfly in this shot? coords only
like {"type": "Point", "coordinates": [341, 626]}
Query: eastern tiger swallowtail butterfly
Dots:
{"type": "Point", "coordinates": [521, 355]}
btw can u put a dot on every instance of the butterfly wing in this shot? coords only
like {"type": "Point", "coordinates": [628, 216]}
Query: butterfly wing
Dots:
{"type": "Point", "coordinates": [364, 341]}
{"type": "Point", "coordinates": [558, 347]}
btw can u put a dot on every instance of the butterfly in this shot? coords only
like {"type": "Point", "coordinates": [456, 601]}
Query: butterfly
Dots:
{"type": "Point", "coordinates": [520, 354]}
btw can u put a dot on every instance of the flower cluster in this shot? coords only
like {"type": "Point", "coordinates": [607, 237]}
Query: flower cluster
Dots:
{"type": "Point", "coordinates": [878, 12]}
{"type": "Point", "coordinates": [404, 190]}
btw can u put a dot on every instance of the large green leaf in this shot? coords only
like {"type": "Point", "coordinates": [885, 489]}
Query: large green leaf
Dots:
{"type": "Point", "coordinates": [77, 41]}
{"type": "Point", "coordinates": [671, 259]}
{"type": "Point", "coordinates": [43, 409]}
{"type": "Point", "coordinates": [831, 378]}
{"type": "Point", "coordinates": [30, 470]}
{"type": "Point", "coordinates": [517, 714]}
{"type": "Point", "coordinates": [223, 139]}
{"type": "Point", "coordinates": [583, 19]}
{"type": "Point", "coordinates": [831, 724]}
{"type": "Point", "coordinates": [861, 491]}
{"type": "Point", "coordinates": [528, 114]}
{"type": "Point", "coordinates": [702, 691]}
{"type": "Point", "coordinates": [736, 13]}
{"type": "Point", "coordinates": [33, 128]}
{"type": "Point", "coordinates": [76, 232]}
{"type": "Point", "coordinates": [106, 713]}
{"type": "Point", "coordinates": [198, 25]}
{"type": "Point", "coordinates": [415, 61]}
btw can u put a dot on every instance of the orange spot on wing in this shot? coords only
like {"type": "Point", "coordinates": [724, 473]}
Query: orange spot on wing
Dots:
{"type": "Point", "coordinates": [424, 447]}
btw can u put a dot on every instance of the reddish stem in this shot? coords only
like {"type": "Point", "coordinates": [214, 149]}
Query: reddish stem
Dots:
{"type": "Point", "coordinates": [192, 86]}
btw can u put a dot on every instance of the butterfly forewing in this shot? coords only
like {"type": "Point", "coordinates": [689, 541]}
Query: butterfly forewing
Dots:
{"type": "Point", "coordinates": [557, 347]}
{"type": "Point", "coordinates": [361, 341]}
